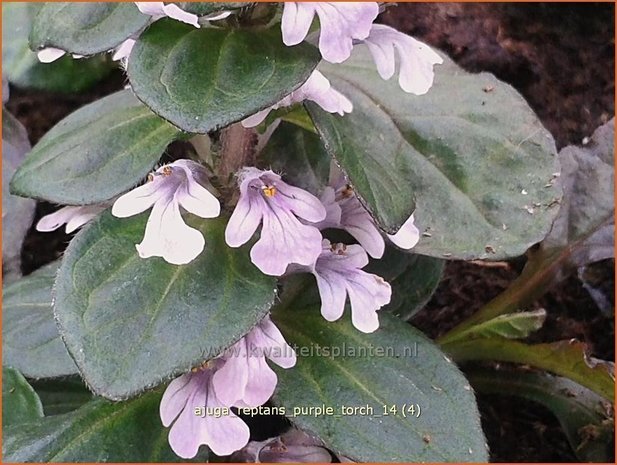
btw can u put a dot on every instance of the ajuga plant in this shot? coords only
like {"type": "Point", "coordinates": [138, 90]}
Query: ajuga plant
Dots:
{"type": "Point", "coordinates": [326, 166]}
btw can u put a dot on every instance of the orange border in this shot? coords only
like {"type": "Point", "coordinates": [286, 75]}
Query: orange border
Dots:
{"type": "Point", "coordinates": [264, 1]}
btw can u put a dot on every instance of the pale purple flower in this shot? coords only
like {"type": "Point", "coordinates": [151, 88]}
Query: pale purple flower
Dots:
{"type": "Point", "coordinates": [340, 23]}
{"type": "Point", "coordinates": [267, 200]}
{"type": "Point", "coordinates": [245, 379]}
{"type": "Point", "coordinates": [344, 211]}
{"type": "Point", "coordinates": [159, 10]}
{"type": "Point", "coordinates": [316, 89]}
{"type": "Point", "coordinates": [295, 446]}
{"type": "Point", "coordinates": [407, 236]}
{"type": "Point", "coordinates": [169, 188]}
{"type": "Point", "coordinates": [416, 58]}
{"type": "Point", "coordinates": [73, 216]}
{"type": "Point", "coordinates": [339, 274]}
{"type": "Point", "coordinates": [120, 53]}
{"type": "Point", "coordinates": [50, 54]}
{"type": "Point", "coordinates": [200, 417]}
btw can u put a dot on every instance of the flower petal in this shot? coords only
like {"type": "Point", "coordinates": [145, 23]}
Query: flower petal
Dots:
{"type": "Point", "coordinates": [123, 50]}
{"type": "Point", "coordinates": [140, 199]}
{"type": "Point", "coordinates": [340, 23]}
{"type": "Point", "coordinates": [244, 221]}
{"type": "Point", "coordinates": [187, 433]}
{"type": "Point", "coordinates": [357, 221]}
{"type": "Point", "coordinates": [284, 240]}
{"type": "Point", "coordinates": [333, 209]}
{"type": "Point", "coordinates": [333, 294]}
{"type": "Point", "coordinates": [56, 219]}
{"type": "Point", "coordinates": [407, 236]}
{"type": "Point", "coordinates": [177, 13]}
{"type": "Point", "coordinates": [154, 9]}
{"type": "Point", "coordinates": [226, 434]}
{"type": "Point", "coordinates": [363, 312]}
{"type": "Point", "coordinates": [175, 397]}
{"type": "Point", "coordinates": [383, 56]}
{"type": "Point", "coordinates": [261, 382]}
{"type": "Point", "coordinates": [296, 21]}
{"type": "Point", "coordinates": [367, 294]}
{"type": "Point", "coordinates": [230, 380]}
{"type": "Point", "coordinates": [269, 336]}
{"type": "Point", "coordinates": [198, 200]}
{"type": "Point", "coordinates": [318, 89]}
{"type": "Point", "coordinates": [257, 118]}
{"type": "Point", "coordinates": [304, 204]}
{"type": "Point", "coordinates": [168, 236]}
{"type": "Point", "coordinates": [82, 216]}
{"type": "Point", "coordinates": [416, 58]}
{"type": "Point", "coordinates": [49, 54]}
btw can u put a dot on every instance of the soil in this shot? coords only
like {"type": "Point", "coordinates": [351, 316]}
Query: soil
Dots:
{"type": "Point", "coordinates": [561, 58]}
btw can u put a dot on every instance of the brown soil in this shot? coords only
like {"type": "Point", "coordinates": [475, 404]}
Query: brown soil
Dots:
{"type": "Point", "coordinates": [561, 58]}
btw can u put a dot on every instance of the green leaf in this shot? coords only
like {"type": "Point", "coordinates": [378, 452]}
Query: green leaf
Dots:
{"type": "Point", "coordinates": [23, 68]}
{"type": "Point", "coordinates": [584, 229]}
{"type": "Point", "coordinates": [62, 395]}
{"type": "Point", "coordinates": [205, 79]}
{"type": "Point", "coordinates": [85, 28]}
{"type": "Point", "coordinates": [413, 372]}
{"type": "Point", "coordinates": [465, 155]}
{"type": "Point", "coordinates": [30, 338]}
{"type": "Point", "coordinates": [130, 322]}
{"type": "Point", "coordinates": [584, 416]}
{"type": "Point", "coordinates": [413, 278]}
{"type": "Point", "coordinates": [511, 326]}
{"type": "Point", "coordinates": [299, 155]}
{"type": "Point", "coordinates": [95, 153]}
{"type": "Point", "coordinates": [19, 401]}
{"type": "Point", "coordinates": [563, 358]}
{"type": "Point", "coordinates": [100, 431]}
{"type": "Point", "coordinates": [208, 8]}
{"type": "Point", "coordinates": [17, 213]}
{"type": "Point", "coordinates": [582, 233]}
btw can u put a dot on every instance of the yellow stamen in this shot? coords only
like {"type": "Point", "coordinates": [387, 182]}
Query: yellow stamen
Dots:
{"type": "Point", "coordinates": [167, 170]}
{"type": "Point", "coordinates": [150, 177]}
{"type": "Point", "coordinates": [269, 191]}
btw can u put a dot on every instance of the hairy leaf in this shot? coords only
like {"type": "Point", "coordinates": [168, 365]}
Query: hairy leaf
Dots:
{"type": "Point", "coordinates": [130, 323]}
{"type": "Point", "coordinates": [99, 431]}
{"type": "Point", "coordinates": [17, 213]}
{"type": "Point", "coordinates": [511, 325]}
{"type": "Point", "coordinates": [30, 338]}
{"type": "Point", "coordinates": [85, 28]}
{"type": "Point", "coordinates": [409, 393]}
{"type": "Point", "coordinates": [95, 153]}
{"type": "Point", "coordinates": [563, 358]}
{"type": "Point", "coordinates": [582, 233]}
{"type": "Point", "coordinates": [476, 163]}
{"type": "Point", "coordinates": [205, 79]}
{"type": "Point", "coordinates": [20, 403]}
{"type": "Point", "coordinates": [208, 8]}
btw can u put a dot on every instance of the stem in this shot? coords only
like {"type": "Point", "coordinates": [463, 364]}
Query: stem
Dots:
{"type": "Point", "coordinates": [237, 150]}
